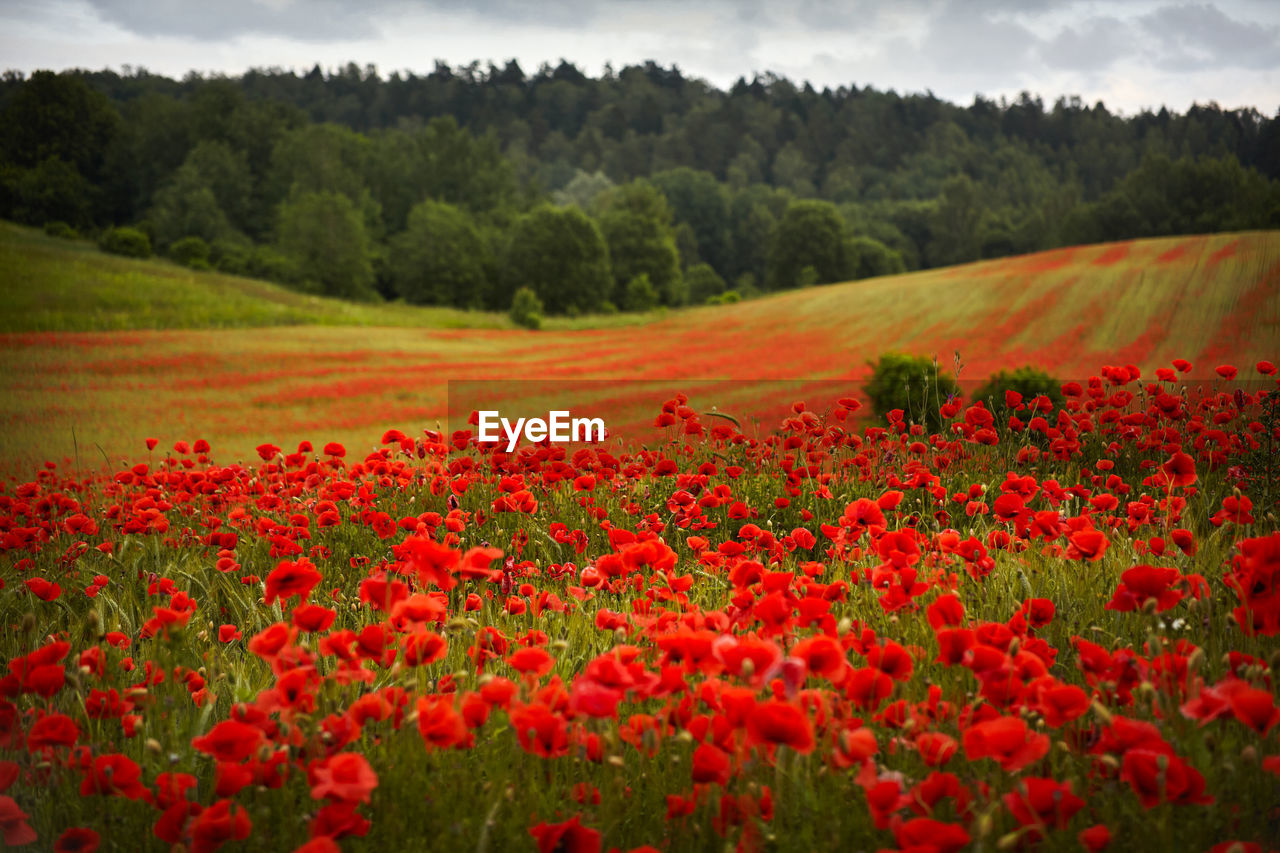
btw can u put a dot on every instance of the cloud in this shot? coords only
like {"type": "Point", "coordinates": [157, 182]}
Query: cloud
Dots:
{"type": "Point", "coordinates": [318, 20]}
{"type": "Point", "coordinates": [1092, 47]}
{"type": "Point", "coordinates": [1193, 37]}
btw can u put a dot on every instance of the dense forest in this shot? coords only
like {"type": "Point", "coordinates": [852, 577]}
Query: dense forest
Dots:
{"type": "Point", "coordinates": [637, 188]}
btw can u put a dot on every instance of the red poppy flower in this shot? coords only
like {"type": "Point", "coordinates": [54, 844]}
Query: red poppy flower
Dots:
{"type": "Point", "coordinates": [292, 579]}
{"type": "Point", "coordinates": [345, 776]}
{"type": "Point", "coordinates": [1180, 469]}
{"type": "Point", "coordinates": [935, 748]}
{"type": "Point", "coordinates": [13, 824]}
{"type": "Point", "coordinates": [52, 730]}
{"type": "Point", "coordinates": [568, 837]}
{"type": "Point", "coordinates": [222, 822]}
{"type": "Point", "coordinates": [113, 776]}
{"type": "Point", "coordinates": [1095, 838]}
{"type": "Point", "coordinates": [230, 740]}
{"type": "Point", "coordinates": [780, 723]}
{"type": "Point", "coordinates": [710, 764]}
{"type": "Point", "coordinates": [1158, 777]}
{"type": "Point", "coordinates": [1256, 709]}
{"type": "Point", "coordinates": [78, 839]}
{"type": "Point", "coordinates": [923, 833]}
{"type": "Point", "coordinates": [1226, 371]}
{"type": "Point", "coordinates": [1041, 804]}
{"type": "Point", "coordinates": [1007, 740]}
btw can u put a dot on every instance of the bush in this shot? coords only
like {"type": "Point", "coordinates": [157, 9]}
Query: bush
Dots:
{"type": "Point", "coordinates": [231, 256]}
{"type": "Point", "coordinates": [640, 294]}
{"type": "Point", "coordinates": [526, 309]}
{"type": "Point", "coordinates": [704, 283]}
{"type": "Point", "coordinates": [191, 252]}
{"type": "Point", "coordinates": [1028, 381]}
{"type": "Point", "coordinates": [129, 242]}
{"type": "Point", "coordinates": [58, 228]}
{"type": "Point", "coordinates": [911, 383]}
{"type": "Point", "coordinates": [727, 298]}
{"type": "Point", "coordinates": [872, 258]}
{"type": "Point", "coordinates": [267, 263]}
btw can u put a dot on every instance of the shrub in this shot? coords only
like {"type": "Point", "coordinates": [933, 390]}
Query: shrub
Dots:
{"type": "Point", "coordinates": [58, 228]}
{"type": "Point", "coordinates": [1028, 381]}
{"type": "Point", "coordinates": [911, 383]}
{"type": "Point", "coordinates": [191, 252]}
{"type": "Point", "coordinates": [526, 309]}
{"type": "Point", "coordinates": [232, 257]}
{"type": "Point", "coordinates": [126, 241]}
{"type": "Point", "coordinates": [640, 294]}
{"type": "Point", "coordinates": [727, 298]}
{"type": "Point", "coordinates": [267, 263]}
{"type": "Point", "coordinates": [704, 283]}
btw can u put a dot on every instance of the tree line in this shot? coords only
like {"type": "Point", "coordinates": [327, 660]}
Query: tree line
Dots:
{"type": "Point", "coordinates": [637, 188]}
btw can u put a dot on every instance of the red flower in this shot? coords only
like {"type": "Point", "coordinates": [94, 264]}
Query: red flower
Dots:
{"type": "Point", "coordinates": [13, 823]}
{"type": "Point", "coordinates": [76, 840]}
{"type": "Point", "coordinates": [440, 724]}
{"type": "Point", "coordinates": [1062, 703]}
{"type": "Point", "coordinates": [568, 837]}
{"type": "Point", "coordinates": [335, 449]}
{"type": "Point", "coordinates": [1042, 804]}
{"type": "Point", "coordinates": [924, 833]}
{"type": "Point", "coordinates": [345, 776]}
{"type": "Point", "coordinates": [230, 740]}
{"type": "Point", "coordinates": [434, 563]}
{"type": "Point", "coordinates": [1007, 740]}
{"type": "Point", "coordinates": [43, 589]}
{"type": "Point", "coordinates": [1087, 545]}
{"type": "Point", "coordinates": [1226, 371]}
{"type": "Point", "coordinates": [1180, 469]}
{"type": "Point", "coordinates": [52, 730]}
{"type": "Point", "coordinates": [113, 776]}
{"type": "Point", "coordinates": [780, 723]}
{"type": "Point", "coordinates": [710, 764]}
{"type": "Point", "coordinates": [936, 748]}
{"type": "Point", "coordinates": [222, 822]}
{"type": "Point", "coordinates": [1256, 709]}
{"type": "Point", "coordinates": [1095, 838]}
{"type": "Point", "coordinates": [1158, 777]}
{"type": "Point", "coordinates": [532, 661]}
{"type": "Point", "coordinates": [290, 579]}
{"type": "Point", "coordinates": [1141, 584]}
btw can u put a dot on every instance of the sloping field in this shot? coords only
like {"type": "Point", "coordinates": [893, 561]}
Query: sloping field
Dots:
{"type": "Point", "coordinates": [64, 395]}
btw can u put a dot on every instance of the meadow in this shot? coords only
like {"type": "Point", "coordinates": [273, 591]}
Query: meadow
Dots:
{"type": "Point", "coordinates": [86, 385]}
{"type": "Point", "coordinates": [274, 606]}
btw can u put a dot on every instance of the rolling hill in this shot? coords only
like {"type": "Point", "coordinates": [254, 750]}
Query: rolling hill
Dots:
{"type": "Point", "coordinates": [287, 367]}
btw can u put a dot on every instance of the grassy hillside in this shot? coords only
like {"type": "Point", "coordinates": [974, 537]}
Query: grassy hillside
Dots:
{"type": "Point", "coordinates": [50, 284]}
{"type": "Point", "coordinates": [1208, 299]}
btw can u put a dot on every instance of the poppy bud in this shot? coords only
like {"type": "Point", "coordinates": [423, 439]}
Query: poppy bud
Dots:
{"type": "Point", "coordinates": [1008, 841]}
{"type": "Point", "coordinates": [1249, 755]}
{"type": "Point", "coordinates": [28, 622]}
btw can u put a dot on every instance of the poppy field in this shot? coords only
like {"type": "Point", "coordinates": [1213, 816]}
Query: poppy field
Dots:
{"type": "Point", "coordinates": [86, 395]}
{"type": "Point", "coordinates": [263, 589]}
{"type": "Point", "coordinates": [1041, 627]}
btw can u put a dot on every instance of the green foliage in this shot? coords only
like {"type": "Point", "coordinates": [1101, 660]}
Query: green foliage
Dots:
{"type": "Point", "coordinates": [704, 283]}
{"type": "Point", "coordinates": [727, 298]}
{"type": "Point", "coordinates": [698, 200]}
{"type": "Point", "coordinates": [872, 258]}
{"type": "Point", "coordinates": [913, 384]}
{"type": "Point", "coordinates": [323, 233]}
{"type": "Point", "coordinates": [437, 260]}
{"type": "Point", "coordinates": [57, 116]}
{"type": "Point", "coordinates": [560, 254]}
{"type": "Point", "coordinates": [190, 252]}
{"type": "Point", "coordinates": [129, 242]}
{"type": "Point", "coordinates": [1028, 381]}
{"type": "Point", "coordinates": [636, 225]}
{"type": "Point", "coordinates": [60, 229]}
{"type": "Point", "coordinates": [811, 234]}
{"type": "Point", "coordinates": [526, 309]}
{"type": "Point", "coordinates": [52, 189]}
{"type": "Point", "coordinates": [640, 294]}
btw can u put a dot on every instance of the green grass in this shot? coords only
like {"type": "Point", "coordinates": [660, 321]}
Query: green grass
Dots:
{"type": "Point", "coordinates": [55, 285]}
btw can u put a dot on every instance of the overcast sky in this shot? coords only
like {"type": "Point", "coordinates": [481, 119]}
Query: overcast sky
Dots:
{"type": "Point", "coordinates": [1131, 54]}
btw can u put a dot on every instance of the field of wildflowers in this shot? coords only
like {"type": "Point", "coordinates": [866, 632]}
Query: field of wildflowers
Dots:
{"type": "Point", "coordinates": [1041, 627]}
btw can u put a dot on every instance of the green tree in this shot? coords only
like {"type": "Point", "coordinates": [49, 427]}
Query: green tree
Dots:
{"type": "Point", "coordinates": [872, 258]}
{"type": "Point", "coordinates": [957, 222]}
{"type": "Point", "coordinates": [560, 254]}
{"type": "Point", "coordinates": [324, 235]}
{"type": "Point", "coordinates": [636, 225]}
{"type": "Point", "coordinates": [640, 294]}
{"type": "Point", "coordinates": [526, 309]}
{"type": "Point", "coordinates": [811, 234]}
{"type": "Point", "coordinates": [438, 259]}
{"type": "Point", "coordinates": [704, 283]}
{"type": "Point", "coordinates": [698, 199]}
